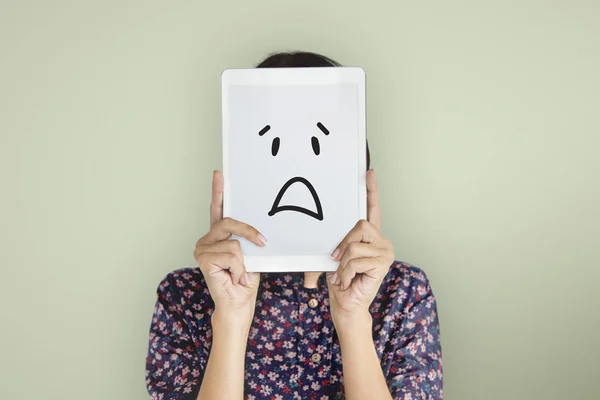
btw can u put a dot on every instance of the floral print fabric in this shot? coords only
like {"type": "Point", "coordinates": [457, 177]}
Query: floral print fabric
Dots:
{"type": "Point", "coordinates": [293, 351]}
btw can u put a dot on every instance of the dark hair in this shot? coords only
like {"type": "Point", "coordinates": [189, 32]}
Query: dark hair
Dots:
{"type": "Point", "coordinates": [297, 59]}
{"type": "Point", "coordinates": [300, 59]}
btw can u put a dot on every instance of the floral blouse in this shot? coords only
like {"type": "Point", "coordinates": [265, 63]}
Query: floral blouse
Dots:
{"type": "Point", "coordinates": [293, 351]}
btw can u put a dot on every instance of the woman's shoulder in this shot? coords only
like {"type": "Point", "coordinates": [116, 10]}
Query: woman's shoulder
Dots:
{"type": "Point", "coordinates": [182, 277]}
{"type": "Point", "coordinates": [407, 282]}
{"type": "Point", "coordinates": [408, 273]}
{"type": "Point", "coordinates": [183, 284]}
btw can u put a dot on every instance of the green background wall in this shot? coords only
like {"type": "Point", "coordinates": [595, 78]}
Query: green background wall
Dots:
{"type": "Point", "coordinates": [484, 126]}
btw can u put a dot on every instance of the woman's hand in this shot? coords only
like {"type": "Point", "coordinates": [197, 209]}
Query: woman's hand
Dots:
{"type": "Point", "coordinates": [234, 293]}
{"type": "Point", "coordinates": [221, 261]}
{"type": "Point", "coordinates": [365, 258]}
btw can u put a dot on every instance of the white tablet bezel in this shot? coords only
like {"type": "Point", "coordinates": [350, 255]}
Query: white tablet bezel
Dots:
{"type": "Point", "coordinates": [296, 76]}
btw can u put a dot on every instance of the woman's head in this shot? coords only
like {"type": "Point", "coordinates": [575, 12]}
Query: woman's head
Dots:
{"type": "Point", "coordinates": [302, 59]}
{"type": "Point", "coordinates": [297, 59]}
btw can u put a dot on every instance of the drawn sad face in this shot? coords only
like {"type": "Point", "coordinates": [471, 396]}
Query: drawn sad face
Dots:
{"type": "Point", "coordinates": [314, 210]}
{"type": "Point", "coordinates": [293, 164]}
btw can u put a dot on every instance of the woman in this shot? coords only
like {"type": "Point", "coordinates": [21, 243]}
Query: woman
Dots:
{"type": "Point", "coordinates": [368, 331]}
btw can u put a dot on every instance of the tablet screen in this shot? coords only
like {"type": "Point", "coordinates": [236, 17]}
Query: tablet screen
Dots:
{"type": "Point", "coordinates": [294, 156]}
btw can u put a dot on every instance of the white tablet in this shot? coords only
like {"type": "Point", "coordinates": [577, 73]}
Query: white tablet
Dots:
{"type": "Point", "coordinates": [294, 161]}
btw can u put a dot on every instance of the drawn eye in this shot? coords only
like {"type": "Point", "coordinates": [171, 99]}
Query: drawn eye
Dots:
{"type": "Point", "coordinates": [322, 128]}
{"type": "Point", "coordinates": [315, 145]}
{"type": "Point", "coordinates": [275, 146]}
{"type": "Point", "coordinates": [264, 130]}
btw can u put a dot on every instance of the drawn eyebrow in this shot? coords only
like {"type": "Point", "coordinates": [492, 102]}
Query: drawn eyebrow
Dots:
{"type": "Point", "coordinates": [264, 130]}
{"type": "Point", "coordinates": [322, 128]}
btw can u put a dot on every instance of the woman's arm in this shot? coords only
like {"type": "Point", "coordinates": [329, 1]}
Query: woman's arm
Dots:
{"type": "Point", "coordinates": [363, 376]}
{"type": "Point", "coordinates": [224, 375]}
{"type": "Point", "coordinates": [182, 364]}
{"type": "Point", "coordinates": [415, 368]}
{"type": "Point", "coordinates": [175, 361]}
{"type": "Point", "coordinates": [234, 294]}
{"type": "Point", "coordinates": [365, 257]}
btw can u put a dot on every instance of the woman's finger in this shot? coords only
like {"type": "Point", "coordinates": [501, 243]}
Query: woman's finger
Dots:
{"type": "Point", "coordinates": [354, 267]}
{"type": "Point", "coordinates": [229, 246]}
{"type": "Point", "coordinates": [358, 250]}
{"type": "Point", "coordinates": [373, 208]}
{"type": "Point", "coordinates": [363, 231]}
{"type": "Point", "coordinates": [252, 278]}
{"type": "Point", "coordinates": [224, 246]}
{"type": "Point", "coordinates": [331, 277]}
{"type": "Point", "coordinates": [216, 204]}
{"type": "Point", "coordinates": [238, 273]}
{"type": "Point", "coordinates": [214, 263]}
{"type": "Point", "coordinates": [227, 227]}
{"type": "Point", "coordinates": [211, 263]}
{"type": "Point", "coordinates": [381, 258]}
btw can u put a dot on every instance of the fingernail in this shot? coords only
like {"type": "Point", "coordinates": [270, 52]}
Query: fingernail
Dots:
{"type": "Point", "coordinates": [262, 239]}
{"type": "Point", "coordinates": [247, 278]}
{"type": "Point", "coordinates": [342, 287]}
{"type": "Point", "coordinates": [334, 278]}
{"type": "Point", "coordinates": [337, 280]}
{"type": "Point", "coordinates": [335, 253]}
{"type": "Point", "coordinates": [243, 280]}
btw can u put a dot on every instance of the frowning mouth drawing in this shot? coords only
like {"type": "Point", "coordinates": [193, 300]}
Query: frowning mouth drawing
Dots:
{"type": "Point", "coordinates": [277, 207]}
